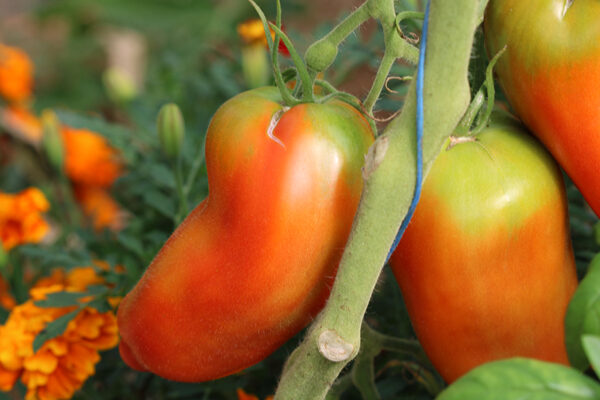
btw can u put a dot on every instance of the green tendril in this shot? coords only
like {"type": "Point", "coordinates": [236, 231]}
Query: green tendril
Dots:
{"type": "Point", "coordinates": [285, 93]}
{"type": "Point", "coordinates": [401, 16]}
{"type": "Point", "coordinates": [307, 85]}
{"type": "Point", "coordinates": [483, 119]}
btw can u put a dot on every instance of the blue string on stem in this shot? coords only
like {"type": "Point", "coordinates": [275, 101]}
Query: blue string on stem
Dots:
{"type": "Point", "coordinates": [419, 183]}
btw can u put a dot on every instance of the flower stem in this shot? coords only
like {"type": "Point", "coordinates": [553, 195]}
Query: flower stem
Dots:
{"type": "Point", "coordinates": [183, 203]}
{"type": "Point", "coordinates": [194, 169]}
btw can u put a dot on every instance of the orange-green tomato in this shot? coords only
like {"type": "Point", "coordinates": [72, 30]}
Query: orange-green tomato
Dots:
{"type": "Point", "coordinates": [550, 73]}
{"type": "Point", "coordinates": [254, 262]}
{"type": "Point", "coordinates": [486, 266]}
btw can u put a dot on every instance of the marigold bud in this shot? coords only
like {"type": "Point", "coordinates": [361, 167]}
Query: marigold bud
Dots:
{"type": "Point", "coordinates": [52, 142]}
{"type": "Point", "coordinates": [171, 129]}
{"type": "Point", "coordinates": [255, 65]}
{"type": "Point", "coordinates": [119, 87]}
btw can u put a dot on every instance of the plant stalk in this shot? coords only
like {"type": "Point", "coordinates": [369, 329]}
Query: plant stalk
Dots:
{"type": "Point", "coordinates": [390, 177]}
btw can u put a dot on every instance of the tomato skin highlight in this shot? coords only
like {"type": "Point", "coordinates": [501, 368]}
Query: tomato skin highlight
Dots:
{"type": "Point", "coordinates": [550, 74]}
{"type": "Point", "coordinates": [486, 266]}
{"type": "Point", "coordinates": [254, 262]}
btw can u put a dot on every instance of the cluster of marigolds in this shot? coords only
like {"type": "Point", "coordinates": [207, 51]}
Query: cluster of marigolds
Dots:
{"type": "Point", "coordinates": [63, 363]}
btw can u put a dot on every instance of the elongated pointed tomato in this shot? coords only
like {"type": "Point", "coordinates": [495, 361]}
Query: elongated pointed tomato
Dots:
{"type": "Point", "coordinates": [254, 262]}
{"type": "Point", "coordinates": [486, 266]}
{"type": "Point", "coordinates": [550, 73]}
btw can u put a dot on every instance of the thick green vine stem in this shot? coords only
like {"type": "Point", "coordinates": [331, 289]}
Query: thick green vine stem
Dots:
{"type": "Point", "coordinates": [390, 175]}
{"type": "Point", "coordinates": [395, 47]}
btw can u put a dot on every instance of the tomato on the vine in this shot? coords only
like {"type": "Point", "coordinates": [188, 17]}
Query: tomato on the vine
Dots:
{"type": "Point", "coordinates": [550, 73]}
{"type": "Point", "coordinates": [486, 266]}
{"type": "Point", "coordinates": [254, 262]}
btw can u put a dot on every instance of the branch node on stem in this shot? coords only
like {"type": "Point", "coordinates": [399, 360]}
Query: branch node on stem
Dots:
{"type": "Point", "coordinates": [375, 156]}
{"type": "Point", "coordinates": [454, 140]}
{"type": "Point", "coordinates": [333, 347]}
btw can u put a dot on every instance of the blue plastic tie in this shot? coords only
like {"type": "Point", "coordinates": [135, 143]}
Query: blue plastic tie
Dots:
{"type": "Point", "coordinates": [420, 77]}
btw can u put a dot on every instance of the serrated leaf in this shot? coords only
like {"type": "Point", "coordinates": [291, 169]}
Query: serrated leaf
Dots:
{"type": "Point", "coordinates": [591, 345]}
{"type": "Point", "coordinates": [583, 315]}
{"type": "Point", "coordinates": [53, 329]}
{"type": "Point", "coordinates": [67, 299]}
{"type": "Point", "coordinates": [100, 305]}
{"type": "Point", "coordinates": [96, 290]}
{"type": "Point", "coordinates": [60, 299]}
{"type": "Point", "coordinates": [53, 257]}
{"type": "Point", "coordinates": [521, 378]}
{"type": "Point", "coordinates": [113, 132]}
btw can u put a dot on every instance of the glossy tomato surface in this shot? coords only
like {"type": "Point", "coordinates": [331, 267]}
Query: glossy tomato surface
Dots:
{"type": "Point", "coordinates": [486, 266]}
{"type": "Point", "coordinates": [254, 262]}
{"type": "Point", "coordinates": [551, 76]}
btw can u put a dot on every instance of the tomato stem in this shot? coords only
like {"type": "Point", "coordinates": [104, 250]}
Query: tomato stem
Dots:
{"type": "Point", "coordinates": [388, 192]}
{"type": "Point", "coordinates": [464, 126]}
{"type": "Point", "coordinates": [285, 92]}
{"type": "Point", "coordinates": [320, 55]}
{"type": "Point", "coordinates": [401, 16]}
{"type": "Point", "coordinates": [380, 78]}
{"type": "Point", "coordinates": [474, 110]}
{"type": "Point", "coordinates": [483, 119]}
{"type": "Point", "coordinates": [305, 78]}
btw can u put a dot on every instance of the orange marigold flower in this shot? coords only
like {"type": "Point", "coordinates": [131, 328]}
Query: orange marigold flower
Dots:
{"type": "Point", "coordinates": [252, 31]}
{"type": "Point", "coordinates": [22, 123]}
{"type": "Point", "coordinates": [16, 74]}
{"type": "Point", "coordinates": [62, 364]}
{"type": "Point", "coordinates": [6, 300]}
{"type": "Point", "coordinates": [245, 396]}
{"type": "Point", "coordinates": [89, 158]}
{"type": "Point", "coordinates": [100, 207]}
{"type": "Point", "coordinates": [20, 217]}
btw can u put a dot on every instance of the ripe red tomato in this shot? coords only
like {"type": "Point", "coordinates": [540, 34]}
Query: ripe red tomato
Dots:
{"type": "Point", "coordinates": [254, 262]}
{"type": "Point", "coordinates": [486, 266]}
{"type": "Point", "coordinates": [551, 76]}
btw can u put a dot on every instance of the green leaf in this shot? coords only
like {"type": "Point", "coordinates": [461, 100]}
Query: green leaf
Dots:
{"type": "Point", "coordinates": [60, 299]}
{"type": "Point", "coordinates": [101, 305]}
{"type": "Point", "coordinates": [583, 315]}
{"type": "Point", "coordinates": [53, 329]}
{"type": "Point", "coordinates": [520, 379]}
{"type": "Point", "coordinates": [131, 243]}
{"type": "Point", "coordinates": [67, 299]}
{"type": "Point", "coordinates": [161, 203]}
{"type": "Point", "coordinates": [160, 174]}
{"type": "Point", "coordinates": [55, 256]}
{"type": "Point", "coordinates": [591, 345]}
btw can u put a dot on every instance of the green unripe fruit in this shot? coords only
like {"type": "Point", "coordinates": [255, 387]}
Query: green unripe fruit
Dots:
{"type": "Point", "coordinates": [320, 55]}
{"type": "Point", "coordinates": [171, 130]}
